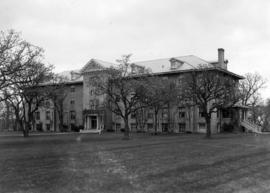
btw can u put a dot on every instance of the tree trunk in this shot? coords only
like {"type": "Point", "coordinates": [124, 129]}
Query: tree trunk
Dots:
{"type": "Point", "coordinates": [61, 122]}
{"type": "Point", "coordinates": [208, 126]}
{"type": "Point", "coordinates": [7, 120]}
{"type": "Point", "coordinates": [26, 131]}
{"type": "Point", "coordinates": [156, 122]}
{"type": "Point", "coordinates": [126, 133]}
{"type": "Point", "coordinates": [54, 119]}
{"type": "Point", "coordinates": [29, 119]}
{"type": "Point", "coordinates": [169, 118]}
{"type": "Point", "coordinates": [61, 117]}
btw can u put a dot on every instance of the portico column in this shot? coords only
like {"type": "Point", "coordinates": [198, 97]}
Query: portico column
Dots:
{"type": "Point", "coordinates": [85, 122]}
{"type": "Point", "coordinates": [89, 123]}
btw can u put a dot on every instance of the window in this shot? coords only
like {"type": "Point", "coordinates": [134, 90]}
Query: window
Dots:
{"type": "Point", "coordinates": [39, 127]}
{"type": "Point", "coordinates": [150, 126]}
{"type": "Point", "coordinates": [226, 113]}
{"type": "Point", "coordinates": [72, 89]}
{"type": "Point", "coordinates": [72, 115]}
{"type": "Point", "coordinates": [133, 115]}
{"type": "Point", "coordinates": [92, 92]}
{"type": "Point", "coordinates": [90, 80]}
{"type": "Point", "coordinates": [165, 127]}
{"type": "Point", "coordinates": [73, 127]}
{"type": "Point", "coordinates": [164, 78]}
{"type": "Point", "coordinates": [117, 117]}
{"type": "Point", "coordinates": [201, 113]}
{"type": "Point", "coordinates": [182, 112]}
{"type": "Point", "coordinates": [92, 104]}
{"type": "Point", "coordinates": [150, 115]}
{"type": "Point", "coordinates": [97, 103]}
{"type": "Point", "coordinates": [133, 127]}
{"type": "Point", "coordinates": [165, 113]}
{"type": "Point", "coordinates": [38, 115]}
{"type": "Point", "coordinates": [47, 103]}
{"type": "Point", "coordinates": [72, 102]}
{"type": "Point", "coordinates": [182, 127]}
{"type": "Point", "coordinates": [48, 116]}
{"type": "Point", "coordinates": [117, 126]}
{"type": "Point", "coordinates": [117, 99]}
{"type": "Point", "coordinates": [202, 125]}
{"type": "Point", "coordinates": [181, 80]}
{"type": "Point", "coordinates": [48, 127]}
{"type": "Point", "coordinates": [175, 64]}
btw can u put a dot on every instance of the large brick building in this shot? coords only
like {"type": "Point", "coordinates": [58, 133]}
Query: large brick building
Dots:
{"type": "Point", "coordinates": [86, 110]}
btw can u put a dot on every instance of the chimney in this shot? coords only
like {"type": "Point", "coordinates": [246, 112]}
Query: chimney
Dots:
{"type": "Point", "coordinates": [221, 63]}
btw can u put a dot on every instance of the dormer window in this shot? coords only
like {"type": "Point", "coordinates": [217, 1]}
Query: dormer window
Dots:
{"type": "Point", "coordinates": [175, 64]}
{"type": "Point", "coordinates": [72, 89]}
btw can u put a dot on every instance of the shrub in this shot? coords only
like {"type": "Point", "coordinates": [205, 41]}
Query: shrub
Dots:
{"type": "Point", "coordinates": [227, 127]}
{"type": "Point", "coordinates": [140, 131]}
{"type": "Point", "coordinates": [65, 128]}
{"type": "Point", "coordinates": [75, 128]}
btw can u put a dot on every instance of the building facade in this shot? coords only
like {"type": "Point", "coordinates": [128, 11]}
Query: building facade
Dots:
{"type": "Point", "coordinates": [85, 109]}
{"type": "Point", "coordinates": [47, 117]}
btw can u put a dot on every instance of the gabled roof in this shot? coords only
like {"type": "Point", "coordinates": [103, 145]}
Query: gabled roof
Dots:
{"type": "Point", "coordinates": [73, 75]}
{"type": "Point", "coordinates": [95, 64]}
{"type": "Point", "coordinates": [164, 64]}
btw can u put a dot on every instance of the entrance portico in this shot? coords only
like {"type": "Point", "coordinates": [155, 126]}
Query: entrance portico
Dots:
{"type": "Point", "coordinates": [93, 121]}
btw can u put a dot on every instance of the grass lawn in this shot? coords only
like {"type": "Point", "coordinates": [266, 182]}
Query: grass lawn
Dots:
{"type": "Point", "coordinates": [93, 163]}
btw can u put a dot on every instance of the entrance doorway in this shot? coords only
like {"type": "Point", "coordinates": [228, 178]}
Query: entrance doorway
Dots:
{"type": "Point", "coordinates": [93, 122]}
{"type": "Point", "coordinates": [165, 127]}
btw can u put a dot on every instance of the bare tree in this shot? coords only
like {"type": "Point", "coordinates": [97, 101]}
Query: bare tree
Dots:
{"type": "Point", "coordinates": [122, 87]}
{"type": "Point", "coordinates": [33, 95]}
{"type": "Point", "coordinates": [250, 96]}
{"type": "Point", "coordinates": [12, 54]}
{"type": "Point", "coordinates": [159, 93]}
{"type": "Point", "coordinates": [141, 116]}
{"type": "Point", "coordinates": [57, 92]}
{"type": "Point", "coordinates": [6, 115]}
{"type": "Point", "coordinates": [210, 90]}
{"type": "Point", "coordinates": [25, 95]}
{"type": "Point", "coordinates": [16, 103]}
{"type": "Point", "coordinates": [266, 116]}
{"type": "Point", "coordinates": [21, 69]}
{"type": "Point", "coordinates": [250, 88]}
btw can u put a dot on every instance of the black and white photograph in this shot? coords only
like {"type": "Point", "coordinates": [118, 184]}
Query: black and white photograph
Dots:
{"type": "Point", "coordinates": [134, 96]}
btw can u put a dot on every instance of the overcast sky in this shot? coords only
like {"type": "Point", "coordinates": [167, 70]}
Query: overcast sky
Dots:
{"type": "Point", "coordinates": [74, 31]}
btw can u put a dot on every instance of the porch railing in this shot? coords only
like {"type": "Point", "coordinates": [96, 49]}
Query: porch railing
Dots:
{"type": "Point", "coordinates": [251, 127]}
